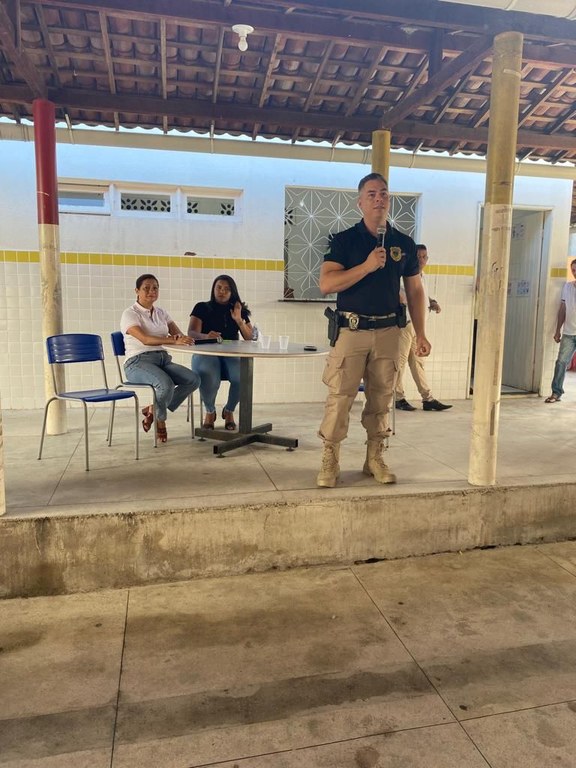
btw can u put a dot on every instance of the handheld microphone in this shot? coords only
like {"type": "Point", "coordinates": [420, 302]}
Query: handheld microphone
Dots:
{"type": "Point", "coordinates": [380, 235]}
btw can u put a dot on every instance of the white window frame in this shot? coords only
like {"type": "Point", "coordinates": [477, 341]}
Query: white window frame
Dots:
{"type": "Point", "coordinates": [113, 191]}
{"type": "Point", "coordinates": [75, 187]}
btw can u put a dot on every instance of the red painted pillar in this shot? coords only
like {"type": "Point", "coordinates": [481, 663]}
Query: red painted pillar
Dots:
{"type": "Point", "coordinates": [45, 149]}
{"type": "Point", "coordinates": [49, 246]}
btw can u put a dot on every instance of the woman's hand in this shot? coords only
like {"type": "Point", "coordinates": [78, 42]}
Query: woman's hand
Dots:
{"type": "Point", "coordinates": [183, 340]}
{"type": "Point", "coordinates": [213, 335]}
{"type": "Point", "coordinates": [236, 313]}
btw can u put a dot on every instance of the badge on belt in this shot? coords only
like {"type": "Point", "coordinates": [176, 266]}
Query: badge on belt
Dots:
{"type": "Point", "coordinates": [353, 321]}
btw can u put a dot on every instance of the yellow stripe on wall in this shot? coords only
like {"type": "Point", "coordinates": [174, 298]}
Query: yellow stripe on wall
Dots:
{"type": "Point", "coordinates": [559, 272]}
{"type": "Point", "coordinates": [144, 260]}
{"type": "Point", "coordinates": [213, 263]}
{"type": "Point", "coordinates": [450, 269]}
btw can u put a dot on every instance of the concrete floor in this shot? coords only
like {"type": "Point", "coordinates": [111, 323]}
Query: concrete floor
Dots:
{"type": "Point", "coordinates": [429, 453]}
{"type": "Point", "coordinates": [445, 661]}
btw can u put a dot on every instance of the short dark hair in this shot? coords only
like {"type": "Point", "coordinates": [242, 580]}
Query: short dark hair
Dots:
{"type": "Point", "coordinates": [142, 278]}
{"type": "Point", "coordinates": [421, 247]}
{"type": "Point", "coordinates": [573, 262]}
{"type": "Point", "coordinates": [371, 177]}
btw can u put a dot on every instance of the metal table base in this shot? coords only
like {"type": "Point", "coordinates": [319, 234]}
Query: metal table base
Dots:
{"type": "Point", "coordinates": [247, 433]}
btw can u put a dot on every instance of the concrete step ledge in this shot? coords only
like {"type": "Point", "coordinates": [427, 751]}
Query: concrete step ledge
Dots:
{"type": "Point", "coordinates": [77, 553]}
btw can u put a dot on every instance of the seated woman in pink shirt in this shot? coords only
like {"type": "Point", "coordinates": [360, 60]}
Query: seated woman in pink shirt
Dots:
{"type": "Point", "coordinates": [146, 328]}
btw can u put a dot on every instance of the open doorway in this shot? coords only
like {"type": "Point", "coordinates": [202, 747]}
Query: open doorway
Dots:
{"type": "Point", "coordinates": [523, 356]}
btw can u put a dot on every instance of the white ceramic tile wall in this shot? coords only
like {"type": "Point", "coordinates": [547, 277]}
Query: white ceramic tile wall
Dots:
{"type": "Point", "coordinates": [94, 296]}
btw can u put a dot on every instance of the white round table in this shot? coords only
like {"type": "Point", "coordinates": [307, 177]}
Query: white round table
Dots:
{"type": "Point", "coordinates": [246, 350]}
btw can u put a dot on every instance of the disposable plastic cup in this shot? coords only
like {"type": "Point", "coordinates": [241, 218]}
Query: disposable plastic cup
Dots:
{"type": "Point", "coordinates": [283, 341]}
{"type": "Point", "coordinates": [265, 341]}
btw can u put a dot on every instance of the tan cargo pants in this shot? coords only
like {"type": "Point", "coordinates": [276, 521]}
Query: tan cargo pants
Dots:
{"type": "Point", "coordinates": [357, 355]}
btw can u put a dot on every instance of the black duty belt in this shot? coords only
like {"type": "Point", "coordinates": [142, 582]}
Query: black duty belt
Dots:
{"type": "Point", "coordinates": [366, 322]}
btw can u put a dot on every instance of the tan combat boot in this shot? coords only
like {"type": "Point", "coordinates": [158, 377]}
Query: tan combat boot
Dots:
{"type": "Point", "coordinates": [374, 464]}
{"type": "Point", "coordinates": [330, 469]}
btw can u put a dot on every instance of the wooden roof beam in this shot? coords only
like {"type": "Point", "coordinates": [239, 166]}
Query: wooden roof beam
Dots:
{"type": "Point", "coordinates": [548, 90]}
{"type": "Point", "coordinates": [218, 71]}
{"type": "Point", "coordinates": [363, 34]}
{"type": "Point", "coordinates": [109, 63]}
{"type": "Point", "coordinates": [269, 68]}
{"type": "Point", "coordinates": [436, 54]}
{"type": "Point", "coordinates": [369, 73]}
{"type": "Point", "coordinates": [449, 74]}
{"type": "Point", "coordinates": [9, 37]}
{"type": "Point", "coordinates": [443, 15]}
{"type": "Point", "coordinates": [370, 18]}
{"type": "Point", "coordinates": [94, 101]}
{"type": "Point", "coordinates": [563, 119]}
{"type": "Point", "coordinates": [315, 83]}
{"type": "Point", "coordinates": [48, 44]}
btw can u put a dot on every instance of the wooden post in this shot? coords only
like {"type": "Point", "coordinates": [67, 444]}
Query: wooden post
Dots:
{"type": "Point", "coordinates": [381, 152]}
{"type": "Point", "coordinates": [49, 247]}
{"type": "Point", "coordinates": [502, 133]}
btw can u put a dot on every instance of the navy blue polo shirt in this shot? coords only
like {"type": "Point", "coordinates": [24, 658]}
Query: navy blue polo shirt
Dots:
{"type": "Point", "coordinates": [378, 292]}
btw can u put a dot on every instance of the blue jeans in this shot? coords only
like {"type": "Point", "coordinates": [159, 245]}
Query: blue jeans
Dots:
{"type": "Point", "coordinates": [212, 371]}
{"type": "Point", "coordinates": [172, 382]}
{"type": "Point", "coordinates": [565, 353]}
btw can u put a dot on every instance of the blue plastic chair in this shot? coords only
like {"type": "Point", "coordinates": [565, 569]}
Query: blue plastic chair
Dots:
{"type": "Point", "coordinates": [82, 348]}
{"type": "Point", "coordinates": [119, 349]}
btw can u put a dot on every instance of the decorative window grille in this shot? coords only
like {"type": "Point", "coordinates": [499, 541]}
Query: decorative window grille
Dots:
{"type": "Point", "coordinates": [311, 216]}
{"type": "Point", "coordinates": [210, 206]}
{"type": "Point", "coordinates": [145, 203]}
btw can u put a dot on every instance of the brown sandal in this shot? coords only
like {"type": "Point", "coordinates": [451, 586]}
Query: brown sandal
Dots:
{"type": "Point", "coordinates": [148, 419]}
{"type": "Point", "coordinates": [162, 432]}
{"type": "Point", "coordinates": [209, 419]}
{"type": "Point", "coordinates": [228, 417]}
{"type": "Point", "coordinates": [552, 399]}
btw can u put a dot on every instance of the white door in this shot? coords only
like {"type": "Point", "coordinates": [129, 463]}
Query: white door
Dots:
{"type": "Point", "coordinates": [522, 307]}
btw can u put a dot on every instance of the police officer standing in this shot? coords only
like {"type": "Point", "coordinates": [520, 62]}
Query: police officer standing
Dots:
{"type": "Point", "coordinates": [364, 267]}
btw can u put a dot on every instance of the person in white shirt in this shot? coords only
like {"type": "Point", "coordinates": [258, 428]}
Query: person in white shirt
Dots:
{"type": "Point", "coordinates": [146, 329]}
{"type": "Point", "coordinates": [408, 353]}
{"type": "Point", "coordinates": [565, 335]}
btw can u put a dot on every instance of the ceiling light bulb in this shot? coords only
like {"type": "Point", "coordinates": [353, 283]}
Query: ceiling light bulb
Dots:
{"type": "Point", "coordinates": [242, 30]}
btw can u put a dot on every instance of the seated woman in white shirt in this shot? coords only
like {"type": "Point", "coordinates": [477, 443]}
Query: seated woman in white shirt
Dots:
{"type": "Point", "coordinates": [146, 328]}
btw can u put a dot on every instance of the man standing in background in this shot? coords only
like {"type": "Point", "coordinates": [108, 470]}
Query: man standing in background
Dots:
{"type": "Point", "coordinates": [408, 352]}
{"type": "Point", "coordinates": [565, 335]}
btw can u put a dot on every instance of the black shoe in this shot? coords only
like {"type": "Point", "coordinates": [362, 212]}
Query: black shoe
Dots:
{"type": "Point", "coordinates": [434, 405]}
{"type": "Point", "coordinates": [404, 405]}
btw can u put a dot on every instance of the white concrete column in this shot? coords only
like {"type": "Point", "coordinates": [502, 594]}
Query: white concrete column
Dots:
{"type": "Point", "coordinates": [502, 133]}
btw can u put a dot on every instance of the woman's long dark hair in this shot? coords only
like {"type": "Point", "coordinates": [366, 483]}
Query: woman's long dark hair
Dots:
{"type": "Point", "coordinates": [234, 297]}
